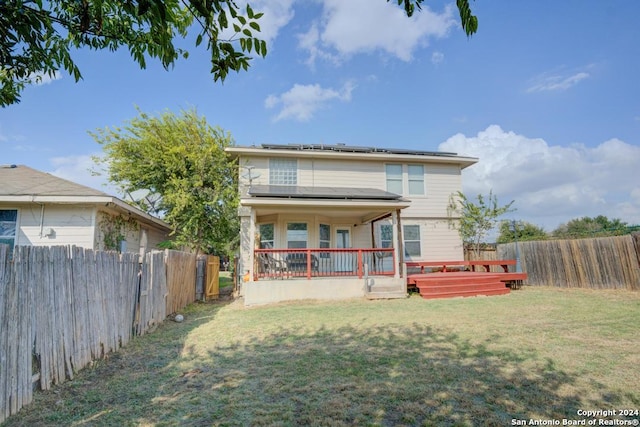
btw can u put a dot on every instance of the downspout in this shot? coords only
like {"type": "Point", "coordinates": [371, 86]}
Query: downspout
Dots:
{"type": "Point", "coordinates": [33, 199]}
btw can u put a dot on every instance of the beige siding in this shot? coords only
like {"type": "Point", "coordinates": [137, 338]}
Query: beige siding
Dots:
{"type": "Point", "coordinates": [55, 225]}
{"type": "Point", "coordinates": [155, 237]}
{"type": "Point", "coordinates": [133, 232]}
{"type": "Point", "coordinates": [341, 173]}
{"type": "Point", "coordinates": [441, 182]}
{"type": "Point", "coordinates": [79, 225]}
{"type": "Point", "coordinates": [438, 241]}
{"type": "Point", "coordinates": [360, 235]}
{"type": "Point", "coordinates": [320, 173]}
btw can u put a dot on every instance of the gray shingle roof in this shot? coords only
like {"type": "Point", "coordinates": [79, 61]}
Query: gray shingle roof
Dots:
{"type": "Point", "coordinates": [23, 181]}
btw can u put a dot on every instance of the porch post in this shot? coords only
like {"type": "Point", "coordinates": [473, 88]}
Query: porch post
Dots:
{"type": "Point", "coordinates": [398, 248]}
{"type": "Point", "coordinates": [247, 242]}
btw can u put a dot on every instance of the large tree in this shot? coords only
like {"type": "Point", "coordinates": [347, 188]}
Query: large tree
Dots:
{"type": "Point", "coordinates": [474, 220]}
{"type": "Point", "coordinates": [37, 37]}
{"type": "Point", "coordinates": [510, 231]}
{"type": "Point", "coordinates": [180, 159]}
{"type": "Point", "coordinates": [598, 226]}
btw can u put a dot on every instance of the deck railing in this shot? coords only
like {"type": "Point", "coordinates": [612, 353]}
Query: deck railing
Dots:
{"type": "Point", "coordinates": [323, 262]}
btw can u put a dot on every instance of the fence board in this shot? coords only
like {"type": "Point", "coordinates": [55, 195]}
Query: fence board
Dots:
{"type": "Point", "coordinates": [62, 307]}
{"type": "Point", "coordinates": [598, 263]}
{"type": "Point", "coordinates": [181, 277]}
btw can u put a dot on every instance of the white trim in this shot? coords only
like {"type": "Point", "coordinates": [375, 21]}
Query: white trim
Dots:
{"type": "Point", "coordinates": [98, 200]}
{"type": "Point", "coordinates": [384, 157]}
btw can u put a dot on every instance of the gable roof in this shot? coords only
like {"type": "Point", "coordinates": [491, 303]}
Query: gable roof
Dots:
{"type": "Point", "coordinates": [24, 181]}
{"type": "Point", "coordinates": [22, 184]}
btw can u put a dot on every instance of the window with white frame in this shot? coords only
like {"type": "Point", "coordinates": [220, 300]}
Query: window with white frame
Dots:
{"type": "Point", "coordinates": [283, 172]}
{"type": "Point", "coordinates": [266, 236]}
{"type": "Point", "coordinates": [325, 235]}
{"type": "Point", "coordinates": [411, 234]}
{"type": "Point", "coordinates": [297, 235]}
{"type": "Point", "coordinates": [8, 226]}
{"type": "Point", "coordinates": [416, 179]}
{"type": "Point", "coordinates": [386, 235]}
{"type": "Point", "coordinates": [394, 178]}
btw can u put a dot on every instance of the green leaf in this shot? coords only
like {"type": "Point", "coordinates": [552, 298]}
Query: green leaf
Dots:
{"type": "Point", "coordinates": [254, 25]}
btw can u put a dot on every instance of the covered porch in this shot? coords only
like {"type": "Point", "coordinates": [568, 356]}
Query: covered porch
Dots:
{"type": "Point", "coordinates": [350, 236]}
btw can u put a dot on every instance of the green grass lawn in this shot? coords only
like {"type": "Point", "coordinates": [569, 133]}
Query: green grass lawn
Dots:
{"type": "Point", "coordinates": [537, 353]}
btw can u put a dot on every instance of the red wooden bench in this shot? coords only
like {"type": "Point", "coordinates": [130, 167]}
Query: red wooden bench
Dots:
{"type": "Point", "coordinates": [457, 265]}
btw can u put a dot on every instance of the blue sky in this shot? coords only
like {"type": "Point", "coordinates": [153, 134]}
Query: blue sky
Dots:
{"type": "Point", "coordinates": [545, 94]}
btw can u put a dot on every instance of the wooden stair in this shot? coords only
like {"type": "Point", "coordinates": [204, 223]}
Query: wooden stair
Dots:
{"type": "Point", "coordinates": [449, 285]}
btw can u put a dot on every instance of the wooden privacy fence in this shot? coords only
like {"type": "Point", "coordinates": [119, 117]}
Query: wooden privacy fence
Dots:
{"type": "Point", "coordinates": [62, 307]}
{"type": "Point", "coordinates": [598, 263]}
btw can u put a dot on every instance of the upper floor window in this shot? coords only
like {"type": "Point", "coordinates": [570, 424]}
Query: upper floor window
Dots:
{"type": "Point", "coordinates": [394, 178]}
{"type": "Point", "coordinates": [8, 225]}
{"type": "Point", "coordinates": [283, 172]}
{"type": "Point", "coordinates": [416, 179]}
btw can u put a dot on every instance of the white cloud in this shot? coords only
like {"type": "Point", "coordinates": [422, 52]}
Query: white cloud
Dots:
{"type": "Point", "coordinates": [277, 14]}
{"type": "Point", "coordinates": [437, 57]}
{"type": "Point", "coordinates": [78, 169]}
{"type": "Point", "coordinates": [40, 79]}
{"type": "Point", "coordinates": [363, 26]}
{"type": "Point", "coordinates": [302, 101]}
{"type": "Point", "coordinates": [555, 82]}
{"type": "Point", "coordinates": [552, 184]}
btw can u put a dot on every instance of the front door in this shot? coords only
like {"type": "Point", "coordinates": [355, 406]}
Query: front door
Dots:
{"type": "Point", "coordinates": [344, 261]}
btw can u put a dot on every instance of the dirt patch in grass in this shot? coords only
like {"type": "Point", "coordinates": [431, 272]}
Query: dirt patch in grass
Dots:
{"type": "Point", "coordinates": [536, 353]}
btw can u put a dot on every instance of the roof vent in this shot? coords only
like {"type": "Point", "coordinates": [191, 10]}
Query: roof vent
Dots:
{"type": "Point", "coordinates": [8, 166]}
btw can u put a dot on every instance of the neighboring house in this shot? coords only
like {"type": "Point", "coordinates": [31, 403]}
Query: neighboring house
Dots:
{"type": "Point", "coordinates": [39, 209]}
{"type": "Point", "coordinates": [312, 212]}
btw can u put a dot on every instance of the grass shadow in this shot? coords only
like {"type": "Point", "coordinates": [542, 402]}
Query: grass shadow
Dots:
{"type": "Point", "coordinates": [391, 375]}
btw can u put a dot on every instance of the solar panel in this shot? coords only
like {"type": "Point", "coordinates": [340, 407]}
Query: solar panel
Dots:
{"type": "Point", "coordinates": [342, 148]}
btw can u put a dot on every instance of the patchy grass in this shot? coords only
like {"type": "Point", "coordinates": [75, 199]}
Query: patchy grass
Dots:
{"type": "Point", "coordinates": [536, 353]}
{"type": "Point", "coordinates": [225, 280]}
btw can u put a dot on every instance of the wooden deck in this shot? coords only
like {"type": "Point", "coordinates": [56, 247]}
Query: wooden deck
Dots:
{"type": "Point", "coordinates": [446, 283]}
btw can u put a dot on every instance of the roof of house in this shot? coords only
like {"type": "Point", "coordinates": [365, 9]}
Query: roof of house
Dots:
{"type": "Point", "coordinates": [353, 152]}
{"type": "Point", "coordinates": [23, 181]}
{"type": "Point", "coordinates": [287, 191]}
{"type": "Point", "coordinates": [22, 184]}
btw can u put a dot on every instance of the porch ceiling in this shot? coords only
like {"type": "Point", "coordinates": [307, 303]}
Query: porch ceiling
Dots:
{"type": "Point", "coordinates": [366, 210]}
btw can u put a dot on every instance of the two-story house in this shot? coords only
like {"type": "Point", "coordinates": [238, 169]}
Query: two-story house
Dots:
{"type": "Point", "coordinates": [337, 221]}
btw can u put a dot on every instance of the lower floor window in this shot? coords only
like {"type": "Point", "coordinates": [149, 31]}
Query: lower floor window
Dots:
{"type": "Point", "coordinates": [266, 236]}
{"type": "Point", "coordinates": [411, 240]}
{"type": "Point", "coordinates": [8, 225]}
{"type": "Point", "coordinates": [386, 235]}
{"type": "Point", "coordinates": [297, 235]}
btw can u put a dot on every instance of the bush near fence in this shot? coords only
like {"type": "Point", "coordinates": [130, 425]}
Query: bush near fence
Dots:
{"type": "Point", "coordinates": [62, 307]}
{"type": "Point", "coordinates": [597, 263]}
